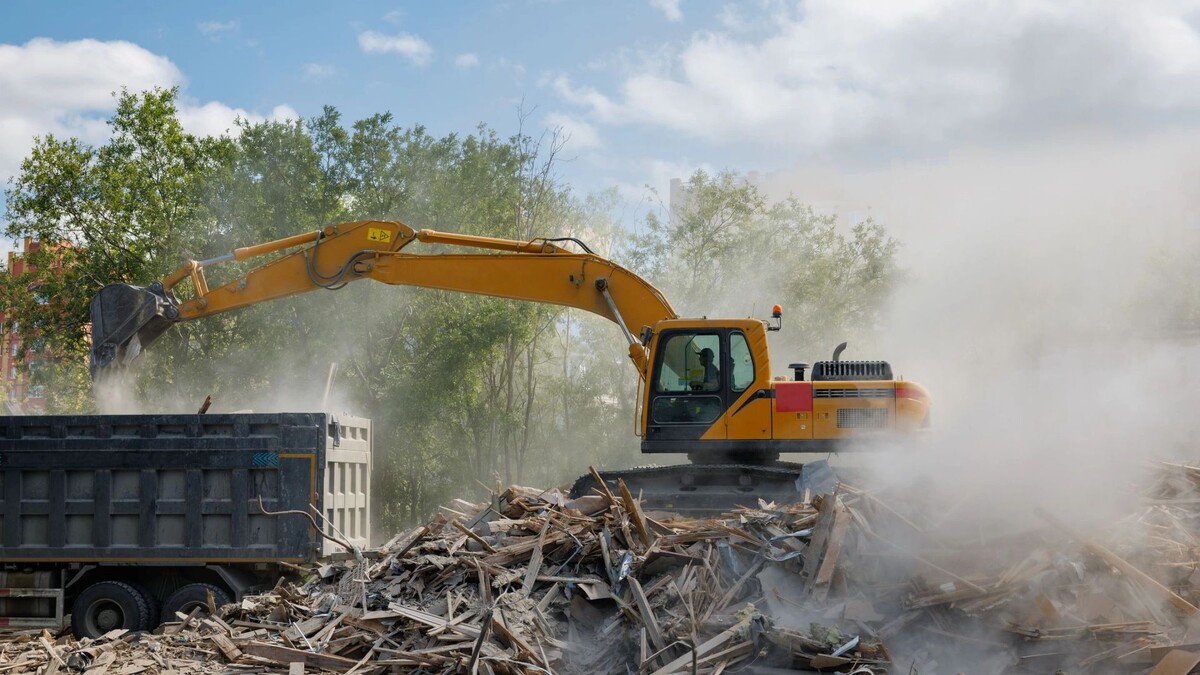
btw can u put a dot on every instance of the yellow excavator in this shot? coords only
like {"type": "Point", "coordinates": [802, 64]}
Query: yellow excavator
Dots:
{"type": "Point", "coordinates": [706, 385]}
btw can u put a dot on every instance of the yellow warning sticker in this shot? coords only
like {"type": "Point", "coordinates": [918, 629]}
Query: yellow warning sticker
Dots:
{"type": "Point", "coordinates": [378, 234]}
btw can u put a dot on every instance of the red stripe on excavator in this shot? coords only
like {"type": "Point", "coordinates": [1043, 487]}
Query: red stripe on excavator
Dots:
{"type": "Point", "coordinates": [793, 397]}
{"type": "Point", "coordinates": [910, 393]}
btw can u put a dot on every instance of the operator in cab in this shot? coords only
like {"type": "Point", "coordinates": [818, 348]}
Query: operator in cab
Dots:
{"type": "Point", "coordinates": [712, 376]}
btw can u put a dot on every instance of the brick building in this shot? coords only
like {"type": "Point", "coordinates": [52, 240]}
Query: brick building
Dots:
{"type": "Point", "coordinates": [19, 395]}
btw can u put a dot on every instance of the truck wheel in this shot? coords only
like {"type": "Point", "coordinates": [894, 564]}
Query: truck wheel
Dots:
{"type": "Point", "coordinates": [108, 605]}
{"type": "Point", "coordinates": [190, 597]}
{"type": "Point", "coordinates": [152, 610]}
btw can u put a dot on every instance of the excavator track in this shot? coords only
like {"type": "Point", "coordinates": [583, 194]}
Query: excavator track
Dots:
{"type": "Point", "coordinates": [700, 489]}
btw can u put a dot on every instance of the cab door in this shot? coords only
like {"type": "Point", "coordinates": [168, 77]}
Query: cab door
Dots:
{"type": "Point", "coordinates": [686, 399]}
{"type": "Point", "coordinates": [750, 416]}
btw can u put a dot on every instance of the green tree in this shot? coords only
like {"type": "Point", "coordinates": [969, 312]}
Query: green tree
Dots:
{"type": "Point", "coordinates": [727, 250]}
{"type": "Point", "coordinates": [697, 252]}
{"type": "Point", "coordinates": [122, 212]}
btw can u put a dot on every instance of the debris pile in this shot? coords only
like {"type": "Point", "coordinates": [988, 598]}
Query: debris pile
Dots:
{"type": "Point", "coordinates": [534, 582]}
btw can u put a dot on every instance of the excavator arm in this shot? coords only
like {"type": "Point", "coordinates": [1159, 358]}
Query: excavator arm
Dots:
{"type": "Point", "coordinates": [126, 319]}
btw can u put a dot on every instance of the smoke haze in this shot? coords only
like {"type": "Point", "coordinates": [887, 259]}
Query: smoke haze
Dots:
{"type": "Point", "coordinates": [1049, 296]}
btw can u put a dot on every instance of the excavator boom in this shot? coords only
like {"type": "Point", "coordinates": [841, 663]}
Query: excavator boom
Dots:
{"type": "Point", "coordinates": [126, 318]}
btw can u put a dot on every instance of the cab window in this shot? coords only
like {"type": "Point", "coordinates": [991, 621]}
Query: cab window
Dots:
{"type": "Point", "coordinates": [741, 362]}
{"type": "Point", "coordinates": [689, 363]}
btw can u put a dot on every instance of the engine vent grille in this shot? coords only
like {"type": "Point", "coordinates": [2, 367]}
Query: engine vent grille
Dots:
{"type": "Point", "coordinates": [864, 392]}
{"type": "Point", "coordinates": [851, 370]}
{"type": "Point", "coordinates": [862, 418]}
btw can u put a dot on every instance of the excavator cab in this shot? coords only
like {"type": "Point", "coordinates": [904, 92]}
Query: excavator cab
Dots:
{"type": "Point", "coordinates": [701, 370]}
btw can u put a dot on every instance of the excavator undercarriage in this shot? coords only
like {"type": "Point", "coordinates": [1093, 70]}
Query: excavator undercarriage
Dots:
{"type": "Point", "coordinates": [713, 488]}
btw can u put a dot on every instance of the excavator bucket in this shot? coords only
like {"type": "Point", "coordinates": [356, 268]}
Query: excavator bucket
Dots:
{"type": "Point", "coordinates": [125, 320]}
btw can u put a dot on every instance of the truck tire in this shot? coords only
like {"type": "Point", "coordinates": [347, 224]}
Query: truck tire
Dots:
{"type": "Point", "coordinates": [188, 597]}
{"type": "Point", "coordinates": [152, 609]}
{"type": "Point", "coordinates": [108, 605]}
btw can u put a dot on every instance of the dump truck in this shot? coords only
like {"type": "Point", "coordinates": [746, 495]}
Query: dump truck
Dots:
{"type": "Point", "coordinates": [125, 520]}
{"type": "Point", "coordinates": [707, 386]}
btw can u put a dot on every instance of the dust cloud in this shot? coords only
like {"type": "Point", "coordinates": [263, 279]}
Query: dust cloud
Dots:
{"type": "Point", "coordinates": [115, 393]}
{"type": "Point", "coordinates": [288, 390]}
{"type": "Point", "coordinates": [1050, 306]}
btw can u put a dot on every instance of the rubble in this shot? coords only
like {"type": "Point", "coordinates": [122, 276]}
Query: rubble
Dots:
{"type": "Point", "coordinates": [534, 582]}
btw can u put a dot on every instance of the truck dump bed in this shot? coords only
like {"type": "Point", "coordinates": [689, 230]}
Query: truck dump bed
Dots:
{"type": "Point", "coordinates": [181, 488]}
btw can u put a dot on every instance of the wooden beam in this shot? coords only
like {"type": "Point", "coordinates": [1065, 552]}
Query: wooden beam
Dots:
{"type": "Point", "coordinates": [286, 656]}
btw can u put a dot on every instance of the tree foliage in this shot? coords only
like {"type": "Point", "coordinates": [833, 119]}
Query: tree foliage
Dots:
{"type": "Point", "coordinates": [726, 242]}
{"type": "Point", "coordinates": [123, 212]}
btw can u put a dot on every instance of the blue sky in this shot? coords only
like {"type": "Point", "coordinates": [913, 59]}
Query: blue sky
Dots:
{"type": "Point", "coordinates": [449, 66]}
{"type": "Point", "coordinates": [647, 89]}
{"type": "Point", "coordinates": [912, 111]}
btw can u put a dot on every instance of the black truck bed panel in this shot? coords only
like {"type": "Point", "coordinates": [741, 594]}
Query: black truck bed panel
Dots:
{"type": "Point", "coordinates": [161, 488]}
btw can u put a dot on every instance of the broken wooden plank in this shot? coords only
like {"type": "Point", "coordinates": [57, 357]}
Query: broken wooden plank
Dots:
{"type": "Point", "coordinates": [286, 656]}
{"type": "Point", "coordinates": [653, 630]}
{"type": "Point", "coordinates": [635, 514]}
{"type": "Point", "coordinates": [1120, 563]}
{"type": "Point", "coordinates": [684, 662]}
{"type": "Point", "coordinates": [226, 646]}
{"type": "Point", "coordinates": [535, 562]}
{"type": "Point", "coordinates": [474, 537]}
{"type": "Point", "coordinates": [602, 487]}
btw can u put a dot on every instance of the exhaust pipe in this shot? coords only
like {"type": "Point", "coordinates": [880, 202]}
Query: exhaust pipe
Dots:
{"type": "Point", "coordinates": [125, 320]}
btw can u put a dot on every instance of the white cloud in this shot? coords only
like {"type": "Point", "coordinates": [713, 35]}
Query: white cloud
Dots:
{"type": "Point", "coordinates": [669, 8]}
{"type": "Point", "coordinates": [581, 135]}
{"type": "Point", "coordinates": [66, 89]}
{"type": "Point", "coordinates": [586, 97]}
{"type": "Point", "coordinates": [216, 28]}
{"type": "Point", "coordinates": [215, 118]}
{"type": "Point", "coordinates": [467, 60]}
{"type": "Point", "coordinates": [319, 71]}
{"type": "Point", "coordinates": [410, 47]}
{"type": "Point", "coordinates": [658, 174]}
{"type": "Point", "coordinates": [514, 68]}
{"type": "Point", "coordinates": [45, 74]}
{"type": "Point", "coordinates": [857, 73]}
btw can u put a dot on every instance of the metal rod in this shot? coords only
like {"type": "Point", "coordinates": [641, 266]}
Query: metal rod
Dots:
{"type": "Point", "coordinates": [535, 246]}
{"type": "Point", "coordinates": [215, 261]}
{"type": "Point", "coordinates": [602, 286]}
{"type": "Point", "coordinates": [277, 245]}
